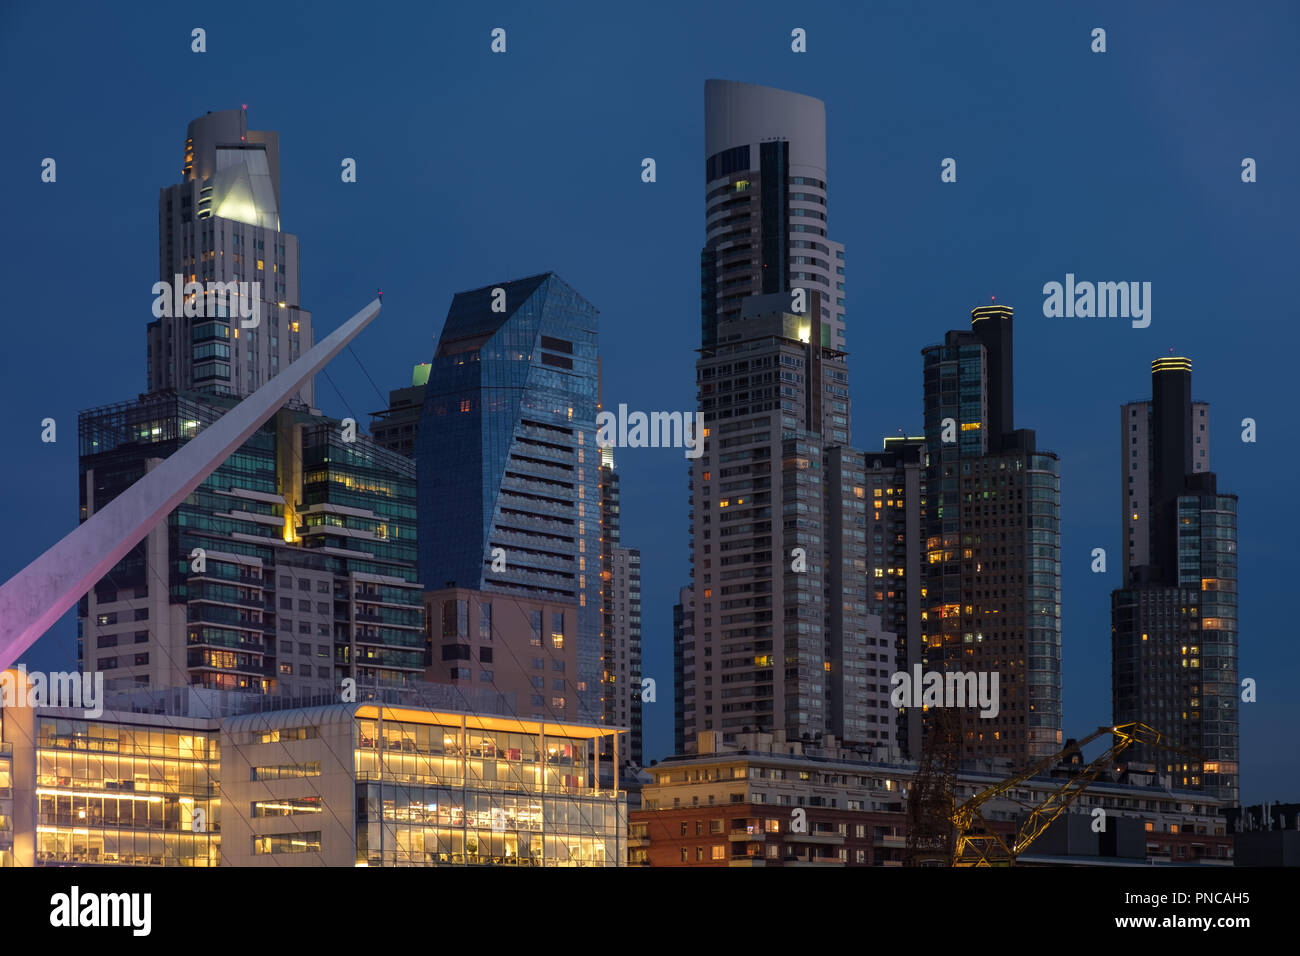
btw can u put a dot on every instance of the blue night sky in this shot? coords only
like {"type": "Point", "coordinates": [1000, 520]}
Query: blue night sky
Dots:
{"type": "Point", "coordinates": [475, 167]}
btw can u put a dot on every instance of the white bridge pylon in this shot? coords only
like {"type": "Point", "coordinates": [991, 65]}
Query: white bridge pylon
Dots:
{"type": "Point", "coordinates": [37, 596]}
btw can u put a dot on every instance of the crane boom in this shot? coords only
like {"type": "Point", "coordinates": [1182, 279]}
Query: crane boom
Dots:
{"type": "Point", "coordinates": [978, 845]}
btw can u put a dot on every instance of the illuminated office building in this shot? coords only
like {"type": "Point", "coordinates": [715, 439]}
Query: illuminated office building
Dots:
{"type": "Point", "coordinates": [372, 785]}
{"type": "Point", "coordinates": [196, 777]}
{"type": "Point", "coordinates": [290, 568]}
{"type": "Point", "coordinates": [123, 789]}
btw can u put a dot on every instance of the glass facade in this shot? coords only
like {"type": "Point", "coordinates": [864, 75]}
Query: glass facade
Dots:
{"type": "Point", "coordinates": [353, 498]}
{"type": "Point", "coordinates": [442, 793]}
{"type": "Point", "coordinates": [110, 793]}
{"type": "Point", "coordinates": [508, 456]}
{"type": "Point", "coordinates": [1174, 656]}
{"type": "Point", "coordinates": [991, 561]}
{"type": "Point", "coordinates": [1042, 563]}
{"type": "Point", "coordinates": [358, 497]}
{"type": "Point", "coordinates": [1174, 622]}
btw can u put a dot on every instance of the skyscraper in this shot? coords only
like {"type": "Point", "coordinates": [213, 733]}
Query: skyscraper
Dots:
{"type": "Point", "coordinates": [625, 648]}
{"type": "Point", "coordinates": [290, 568]}
{"type": "Point", "coordinates": [620, 599]}
{"type": "Point", "coordinates": [508, 463]}
{"type": "Point", "coordinates": [220, 225]}
{"type": "Point", "coordinates": [992, 542]}
{"type": "Point", "coordinates": [781, 638]}
{"type": "Point", "coordinates": [394, 427]}
{"type": "Point", "coordinates": [765, 207]}
{"type": "Point", "coordinates": [861, 656]}
{"type": "Point", "coordinates": [895, 478]}
{"type": "Point", "coordinates": [1174, 622]}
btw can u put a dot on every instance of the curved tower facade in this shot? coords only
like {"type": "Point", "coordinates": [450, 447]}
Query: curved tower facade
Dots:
{"type": "Point", "coordinates": [765, 205]}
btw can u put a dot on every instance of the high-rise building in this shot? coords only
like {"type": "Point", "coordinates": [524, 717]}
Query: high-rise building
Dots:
{"type": "Point", "coordinates": [767, 650]}
{"type": "Point", "coordinates": [765, 207]}
{"type": "Point", "coordinates": [221, 224]}
{"type": "Point", "coordinates": [861, 656]}
{"type": "Point", "coordinates": [895, 506]}
{"type": "Point", "coordinates": [1174, 622]}
{"type": "Point", "coordinates": [781, 638]}
{"type": "Point", "coordinates": [625, 659]}
{"type": "Point", "coordinates": [395, 427]}
{"type": "Point", "coordinates": [620, 599]}
{"type": "Point", "coordinates": [509, 468]}
{"type": "Point", "coordinates": [291, 567]}
{"type": "Point", "coordinates": [610, 535]}
{"type": "Point", "coordinates": [992, 543]}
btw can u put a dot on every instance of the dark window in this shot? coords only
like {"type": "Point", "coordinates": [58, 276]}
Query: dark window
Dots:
{"type": "Point", "coordinates": [559, 361]}
{"type": "Point", "coordinates": [726, 162]}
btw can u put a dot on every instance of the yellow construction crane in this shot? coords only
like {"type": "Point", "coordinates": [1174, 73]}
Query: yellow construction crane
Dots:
{"type": "Point", "coordinates": [978, 845]}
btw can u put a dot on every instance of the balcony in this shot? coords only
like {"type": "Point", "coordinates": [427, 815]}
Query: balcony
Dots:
{"type": "Point", "coordinates": [557, 440]}
{"type": "Point", "coordinates": [822, 839]}
{"type": "Point", "coordinates": [566, 475]}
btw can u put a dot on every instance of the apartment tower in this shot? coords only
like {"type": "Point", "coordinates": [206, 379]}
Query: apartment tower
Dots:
{"type": "Point", "coordinates": [1174, 622]}
{"type": "Point", "coordinates": [992, 543]}
{"type": "Point", "coordinates": [221, 225]}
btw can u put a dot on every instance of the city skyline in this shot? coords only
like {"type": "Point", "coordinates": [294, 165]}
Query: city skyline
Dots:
{"type": "Point", "coordinates": [874, 342]}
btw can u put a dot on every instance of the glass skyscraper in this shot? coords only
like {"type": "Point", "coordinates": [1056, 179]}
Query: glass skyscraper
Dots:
{"type": "Point", "coordinates": [508, 466]}
{"type": "Point", "coordinates": [289, 568]}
